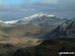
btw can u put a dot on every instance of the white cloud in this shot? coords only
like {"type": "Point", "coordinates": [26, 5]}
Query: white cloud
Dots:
{"type": "Point", "coordinates": [64, 8]}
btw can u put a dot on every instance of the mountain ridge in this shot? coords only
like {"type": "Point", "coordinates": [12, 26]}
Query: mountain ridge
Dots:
{"type": "Point", "coordinates": [66, 29]}
{"type": "Point", "coordinates": [34, 19]}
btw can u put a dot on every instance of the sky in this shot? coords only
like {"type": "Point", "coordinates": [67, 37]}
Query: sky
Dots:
{"type": "Point", "coordinates": [11, 1]}
{"type": "Point", "coordinates": [18, 1]}
{"type": "Point", "coordinates": [17, 9]}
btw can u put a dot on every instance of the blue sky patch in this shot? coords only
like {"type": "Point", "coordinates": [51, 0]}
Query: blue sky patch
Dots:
{"type": "Point", "coordinates": [18, 1]}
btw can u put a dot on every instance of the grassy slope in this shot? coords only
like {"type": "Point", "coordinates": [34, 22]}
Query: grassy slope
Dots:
{"type": "Point", "coordinates": [21, 36]}
{"type": "Point", "coordinates": [22, 33]}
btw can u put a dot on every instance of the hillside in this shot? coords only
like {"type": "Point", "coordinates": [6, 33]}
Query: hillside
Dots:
{"type": "Point", "coordinates": [67, 29]}
{"type": "Point", "coordinates": [52, 46]}
{"type": "Point", "coordinates": [49, 48]}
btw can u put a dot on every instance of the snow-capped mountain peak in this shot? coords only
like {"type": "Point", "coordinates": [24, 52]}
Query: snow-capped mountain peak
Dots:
{"type": "Point", "coordinates": [38, 15]}
{"type": "Point", "coordinates": [41, 14]}
{"type": "Point", "coordinates": [38, 18]}
{"type": "Point", "coordinates": [41, 18]}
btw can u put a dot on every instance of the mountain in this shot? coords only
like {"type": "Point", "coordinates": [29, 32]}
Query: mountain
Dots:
{"type": "Point", "coordinates": [66, 29]}
{"type": "Point", "coordinates": [42, 19]}
{"type": "Point", "coordinates": [39, 18]}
